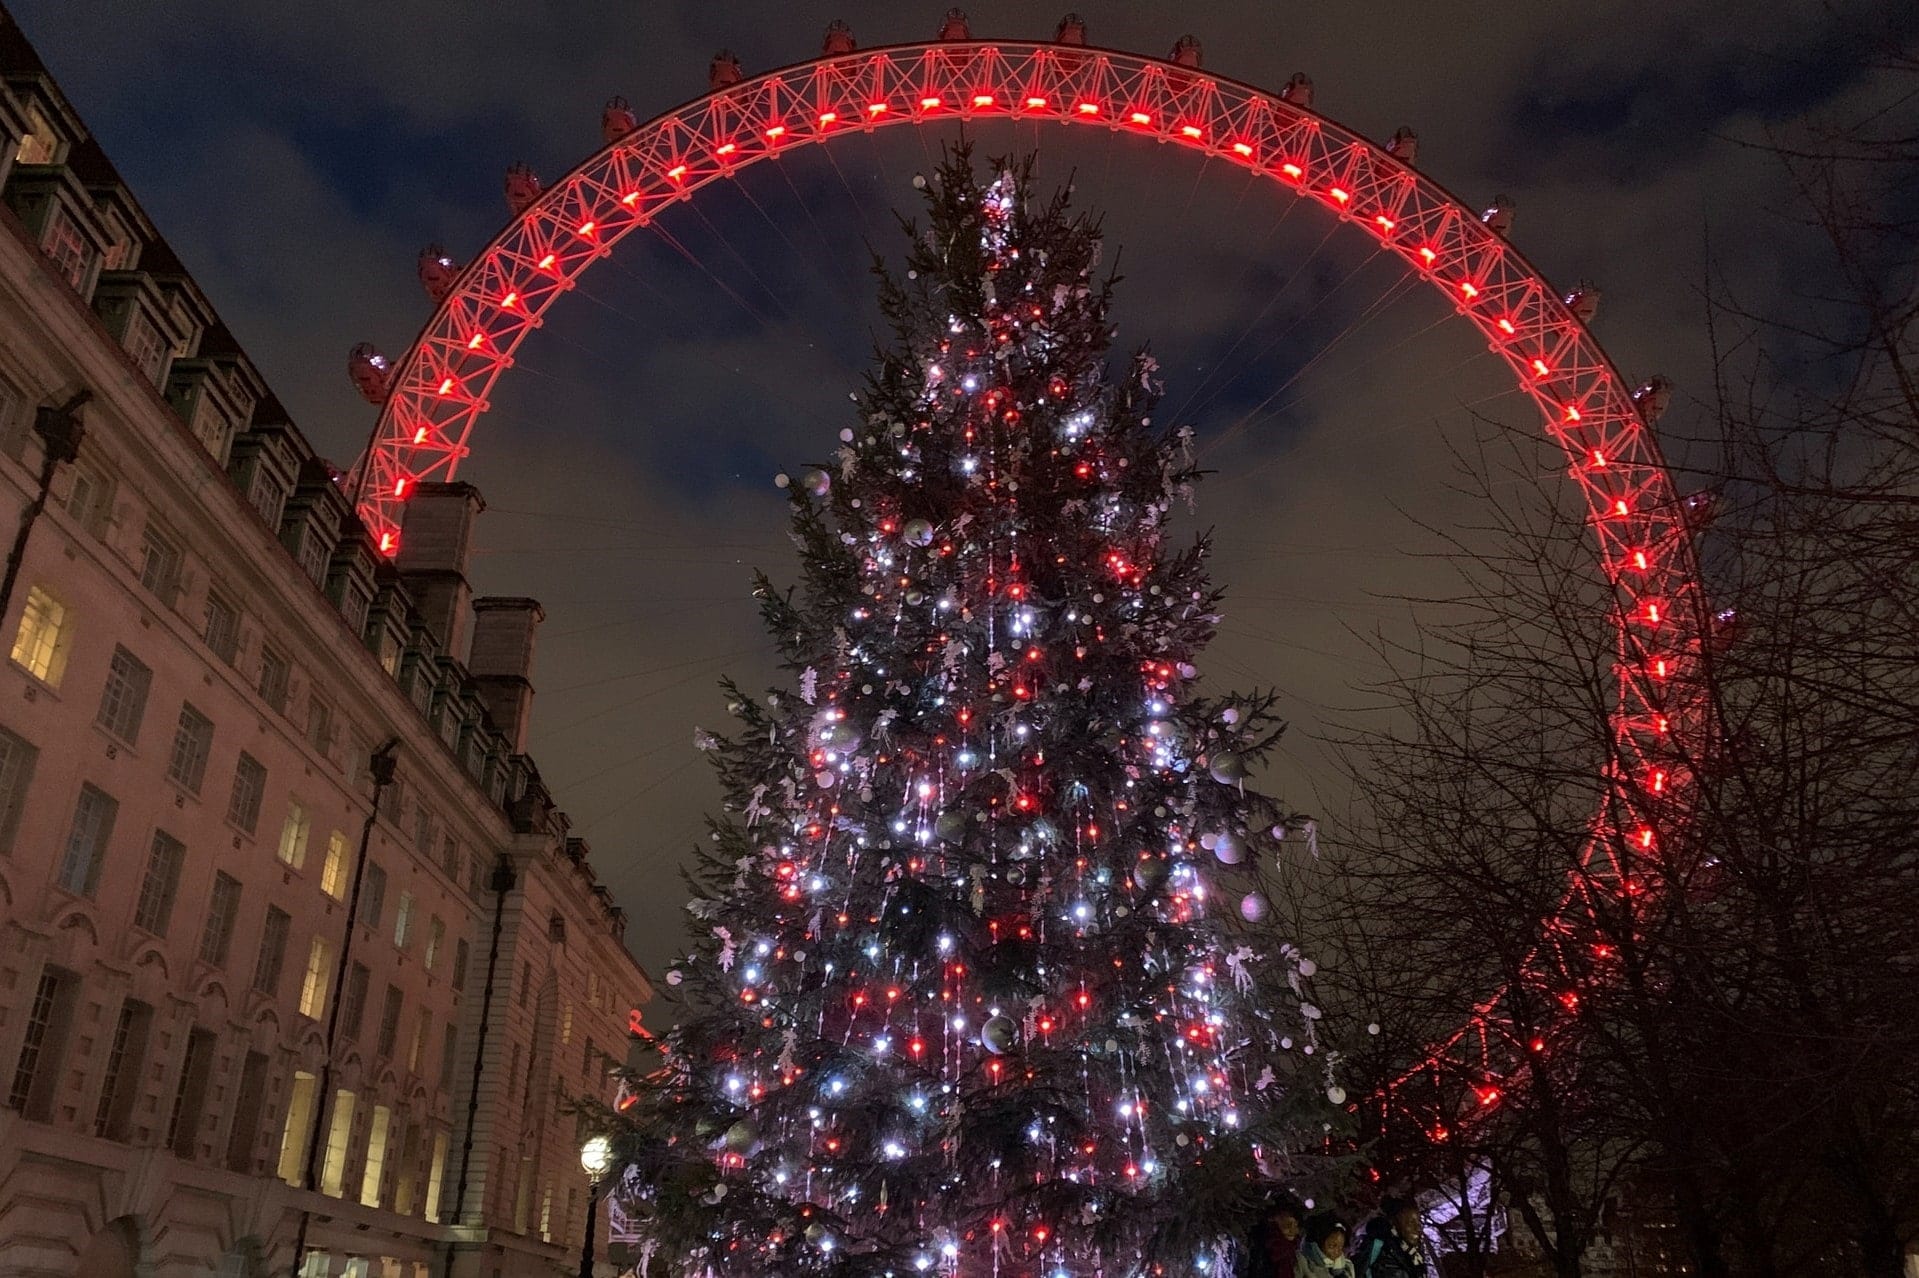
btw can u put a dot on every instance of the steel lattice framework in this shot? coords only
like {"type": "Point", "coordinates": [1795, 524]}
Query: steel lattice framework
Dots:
{"type": "Point", "coordinates": [439, 391]}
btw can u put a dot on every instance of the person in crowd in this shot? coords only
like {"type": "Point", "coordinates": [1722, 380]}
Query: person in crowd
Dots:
{"type": "Point", "coordinates": [1323, 1253]}
{"type": "Point", "coordinates": [1273, 1247]}
{"type": "Point", "coordinates": [1394, 1244]}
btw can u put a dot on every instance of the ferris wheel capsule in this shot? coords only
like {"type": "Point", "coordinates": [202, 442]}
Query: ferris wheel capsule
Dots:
{"type": "Point", "coordinates": [1186, 52]}
{"type": "Point", "coordinates": [723, 70]}
{"type": "Point", "coordinates": [1583, 301]}
{"type": "Point", "coordinates": [955, 26]}
{"type": "Point", "coordinates": [1653, 396]}
{"type": "Point", "coordinates": [437, 272]}
{"type": "Point", "coordinates": [1404, 145]}
{"type": "Point", "coordinates": [1072, 30]}
{"type": "Point", "coordinates": [617, 120]}
{"type": "Point", "coordinates": [522, 187]}
{"type": "Point", "coordinates": [1298, 90]}
{"type": "Point", "coordinates": [372, 372]}
{"type": "Point", "coordinates": [1499, 215]}
{"type": "Point", "coordinates": [838, 39]}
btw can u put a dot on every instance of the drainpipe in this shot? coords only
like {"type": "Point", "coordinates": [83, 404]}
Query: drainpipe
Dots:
{"type": "Point", "coordinates": [60, 431]}
{"type": "Point", "coordinates": [381, 765]}
{"type": "Point", "coordinates": [503, 882]}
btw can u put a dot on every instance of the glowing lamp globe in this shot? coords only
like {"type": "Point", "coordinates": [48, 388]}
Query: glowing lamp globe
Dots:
{"type": "Point", "coordinates": [596, 1156]}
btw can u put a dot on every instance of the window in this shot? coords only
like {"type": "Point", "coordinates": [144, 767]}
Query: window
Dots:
{"type": "Point", "coordinates": [450, 857]}
{"type": "Point", "coordinates": [89, 496]}
{"type": "Point", "coordinates": [587, 1053]}
{"type": "Point", "coordinates": [93, 819]}
{"type": "Point", "coordinates": [273, 952]}
{"type": "Point", "coordinates": [145, 347]}
{"type": "Point", "coordinates": [458, 979]}
{"type": "Point", "coordinates": [210, 427]}
{"type": "Point", "coordinates": [376, 1138]}
{"type": "Point", "coordinates": [423, 829]}
{"type": "Point", "coordinates": [389, 1023]}
{"type": "Point", "coordinates": [566, 1023]}
{"type": "Point", "coordinates": [268, 497]}
{"type": "Point", "coordinates": [354, 602]}
{"type": "Point", "coordinates": [41, 144]}
{"type": "Point", "coordinates": [372, 894]}
{"type": "Point", "coordinates": [319, 974]}
{"type": "Point", "coordinates": [320, 726]}
{"type": "Point", "coordinates": [36, 1071]}
{"type": "Point", "coordinates": [546, 1211]}
{"type": "Point", "coordinates": [333, 1168]}
{"type": "Point", "coordinates": [353, 1001]}
{"type": "Point", "coordinates": [223, 907]}
{"type": "Point", "coordinates": [66, 246]}
{"type": "Point", "coordinates": [123, 702]}
{"type": "Point", "coordinates": [293, 836]}
{"type": "Point", "coordinates": [160, 564]}
{"type": "Point", "coordinates": [155, 908]}
{"type": "Point", "coordinates": [333, 869]}
{"type": "Point", "coordinates": [275, 676]}
{"type": "Point", "coordinates": [436, 1176]}
{"type": "Point", "coordinates": [435, 939]}
{"type": "Point", "coordinates": [40, 647]}
{"type": "Point", "coordinates": [416, 1050]}
{"type": "Point", "coordinates": [246, 1113]}
{"type": "Point", "coordinates": [403, 921]}
{"type": "Point", "coordinates": [298, 1129]}
{"type": "Point", "coordinates": [222, 628]}
{"type": "Point", "coordinates": [125, 1058]}
{"type": "Point", "coordinates": [390, 653]}
{"type": "Point", "coordinates": [314, 554]}
{"type": "Point", "coordinates": [189, 1102]}
{"type": "Point", "coordinates": [17, 758]}
{"type": "Point", "coordinates": [449, 1048]}
{"type": "Point", "coordinates": [249, 784]}
{"type": "Point", "coordinates": [192, 744]}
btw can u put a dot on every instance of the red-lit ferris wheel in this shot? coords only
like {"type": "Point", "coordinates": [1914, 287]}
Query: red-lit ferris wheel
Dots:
{"type": "Point", "coordinates": [432, 398]}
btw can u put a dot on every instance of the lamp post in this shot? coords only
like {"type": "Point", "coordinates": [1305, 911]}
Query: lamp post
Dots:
{"type": "Point", "coordinates": [596, 1158]}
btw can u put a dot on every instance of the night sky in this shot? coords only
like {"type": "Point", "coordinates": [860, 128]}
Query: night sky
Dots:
{"type": "Point", "coordinates": [298, 156]}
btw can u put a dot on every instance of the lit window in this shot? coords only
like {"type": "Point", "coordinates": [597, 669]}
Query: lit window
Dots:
{"type": "Point", "coordinates": [123, 702]}
{"type": "Point", "coordinates": [41, 144]}
{"type": "Point", "coordinates": [403, 920]}
{"type": "Point", "coordinates": [376, 1139]}
{"type": "Point", "coordinates": [436, 1176]}
{"type": "Point", "coordinates": [249, 785]}
{"type": "Point", "coordinates": [40, 647]}
{"type": "Point", "coordinates": [93, 818]}
{"type": "Point", "coordinates": [435, 942]}
{"type": "Point", "coordinates": [66, 247]}
{"type": "Point", "coordinates": [293, 836]}
{"type": "Point", "coordinates": [333, 1169]}
{"type": "Point", "coordinates": [333, 870]}
{"type": "Point", "coordinates": [299, 1126]}
{"type": "Point", "coordinates": [192, 743]}
{"type": "Point", "coordinates": [313, 988]}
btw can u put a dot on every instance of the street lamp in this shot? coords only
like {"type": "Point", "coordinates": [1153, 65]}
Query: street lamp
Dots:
{"type": "Point", "coordinates": [596, 1159]}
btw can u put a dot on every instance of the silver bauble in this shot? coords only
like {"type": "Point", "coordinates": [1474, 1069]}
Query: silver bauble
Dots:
{"type": "Point", "coordinates": [817, 482]}
{"type": "Point", "coordinates": [1228, 768]}
{"type": "Point", "coordinates": [1228, 848]}
{"type": "Point", "coordinates": [742, 1136]}
{"type": "Point", "coordinates": [1252, 907]}
{"type": "Point", "coordinates": [917, 532]}
{"type": "Point", "coordinates": [998, 1035]}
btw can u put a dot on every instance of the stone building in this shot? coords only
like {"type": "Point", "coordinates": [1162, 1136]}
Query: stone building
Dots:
{"type": "Point", "coordinates": [224, 719]}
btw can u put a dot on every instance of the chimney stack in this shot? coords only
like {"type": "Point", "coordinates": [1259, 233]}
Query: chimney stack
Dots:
{"type": "Point", "coordinates": [502, 662]}
{"type": "Point", "coordinates": [436, 540]}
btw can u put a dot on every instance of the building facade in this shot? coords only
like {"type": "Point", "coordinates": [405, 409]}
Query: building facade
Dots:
{"type": "Point", "coordinates": [296, 953]}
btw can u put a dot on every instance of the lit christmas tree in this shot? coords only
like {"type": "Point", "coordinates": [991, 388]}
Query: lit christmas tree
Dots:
{"type": "Point", "coordinates": [969, 997]}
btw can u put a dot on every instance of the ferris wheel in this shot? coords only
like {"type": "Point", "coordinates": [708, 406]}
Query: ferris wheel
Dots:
{"type": "Point", "coordinates": [432, 398]}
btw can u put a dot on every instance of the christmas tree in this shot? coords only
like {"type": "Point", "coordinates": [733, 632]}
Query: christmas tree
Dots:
{"type": "Point", "coordinates": [970, 995]}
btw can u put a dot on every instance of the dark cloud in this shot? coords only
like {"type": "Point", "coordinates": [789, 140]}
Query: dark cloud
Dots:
{"type": "Point", "coordinates": [298, 156]}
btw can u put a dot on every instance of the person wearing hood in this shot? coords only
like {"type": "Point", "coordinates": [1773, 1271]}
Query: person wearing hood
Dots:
{"type": "Point", "coordinates": [1323, 1254]}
